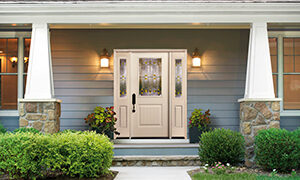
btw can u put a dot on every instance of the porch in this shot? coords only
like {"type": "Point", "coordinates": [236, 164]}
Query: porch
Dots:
{"type": "Point", "coordinates": [235, 61]}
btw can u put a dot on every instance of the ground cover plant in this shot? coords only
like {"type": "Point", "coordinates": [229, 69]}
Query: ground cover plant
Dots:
{"type": "Point", "coordinates": [30, 155]}
{"type": "Point", "coordinates": [221, 145]}
{"type": "Point", "coordinates": [220, 171]}
{"type": "Point", "coordinates": [278, 149]}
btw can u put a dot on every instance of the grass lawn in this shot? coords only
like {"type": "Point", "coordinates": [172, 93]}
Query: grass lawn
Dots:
{"type": "Point", "coordinates": [238, 176]}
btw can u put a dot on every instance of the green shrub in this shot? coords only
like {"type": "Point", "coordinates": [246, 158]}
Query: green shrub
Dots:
{"type": "Point", "coordinates": [25, 129]}
{"type": "Point", "coordinates": [69, 131]}
{"type": "Point", "coordinates": [221, 145]}
{"type": "Point", "coordinates": [278, 149]}
{"type": "Point", "coordinates": [2, 129]}
{"type": "Point", "coordinates": [29, 155]}
{"type": "Point", "coordinates": [19, 155]}
{"type": "Point", "coordinates": [83, 154]}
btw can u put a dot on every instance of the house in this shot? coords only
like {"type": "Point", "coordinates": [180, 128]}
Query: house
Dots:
{"type": "Point", "coordinates": [247, 72]}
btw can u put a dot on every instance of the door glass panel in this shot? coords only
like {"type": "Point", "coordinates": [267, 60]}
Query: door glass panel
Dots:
{"type": "Point", "coordinates": [123, 77]}
{"type": "Point", "coordinates": [178, 78]}
{"type": "Point", "coordinates": [150, 76]}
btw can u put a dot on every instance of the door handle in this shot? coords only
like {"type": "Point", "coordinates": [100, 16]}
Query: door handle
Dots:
{"type": "Point", "coordinates": [133, 102]}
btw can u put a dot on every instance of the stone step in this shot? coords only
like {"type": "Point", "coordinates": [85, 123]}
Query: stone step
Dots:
{"type": "Point", "coordinates": [155, 149]}
{"type": "Point", "coordinates": [156, 161]}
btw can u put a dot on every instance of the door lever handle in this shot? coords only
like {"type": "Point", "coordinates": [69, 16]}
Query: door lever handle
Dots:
{"type": "Point", "coordinates": [133, 102]}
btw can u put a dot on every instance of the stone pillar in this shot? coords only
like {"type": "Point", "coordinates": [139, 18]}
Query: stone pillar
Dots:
{"type": "Point", "coordinates": [255, 116]}
{"type": "Point", "coordinates": [41, 115]}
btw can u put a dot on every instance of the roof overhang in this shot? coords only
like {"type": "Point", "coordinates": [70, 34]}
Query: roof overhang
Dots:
{"type": "Point", "coordinates": [155, 13]}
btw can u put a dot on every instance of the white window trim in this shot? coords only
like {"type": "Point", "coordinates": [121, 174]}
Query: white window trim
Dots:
{"type": "Point", "coordinates": [21, 36]}
{"type": "Point", "coordinates": [280, 35]}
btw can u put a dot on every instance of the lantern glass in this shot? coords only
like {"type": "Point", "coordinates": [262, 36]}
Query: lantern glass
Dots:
{"type": "Point", "coordinates": [104, 62]}
{"type": "Point", "coordinates": [196, 62]}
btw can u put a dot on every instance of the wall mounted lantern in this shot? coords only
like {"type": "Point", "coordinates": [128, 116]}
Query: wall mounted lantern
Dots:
{"type": "Point", "coordinates": [14, 61]}
{"type": "Point", "coordinates": [196, 58]}
{"type": "Point", "coordinates": [104, 58]}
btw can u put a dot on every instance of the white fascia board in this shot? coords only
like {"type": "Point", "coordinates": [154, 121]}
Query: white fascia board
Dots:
{"type": "Point", "coordinates": [155, 12]}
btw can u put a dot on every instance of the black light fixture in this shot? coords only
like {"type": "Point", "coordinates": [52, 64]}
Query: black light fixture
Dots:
{"type": "Point", "coordinates": [196, 58]}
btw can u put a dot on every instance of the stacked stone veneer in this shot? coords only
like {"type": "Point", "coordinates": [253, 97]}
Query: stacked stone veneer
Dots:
{"type": "Point", "coordinates": [255, 116]}
{"type": "Point", "coordinates": [156, 161]}
{"type": "Point", "coordinates": [43, 116]}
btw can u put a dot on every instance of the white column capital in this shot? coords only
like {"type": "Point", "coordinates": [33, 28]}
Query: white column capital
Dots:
{"type": "Point", "coordinates": [259, 80]}
{"type": "Point", "coordinates": [40, 77]}
{"type": "Point", "coordinates": [40, 25]}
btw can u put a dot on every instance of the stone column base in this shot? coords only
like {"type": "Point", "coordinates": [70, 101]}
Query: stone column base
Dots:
{"type": "Point", "coordinates": [41, 115]}
{"type": "Point", "coordinates": [256, 115]}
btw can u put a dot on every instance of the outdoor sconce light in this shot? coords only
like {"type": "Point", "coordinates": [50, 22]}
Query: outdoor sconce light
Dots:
{"type": "Point", "coordinates": [196, 58]}
{"type": "Point", "coordinates": [26, 59]}
{"type": "Point", "coordinates": [14, 61]}
{"type": "Point", "coordinates": [104, 59]}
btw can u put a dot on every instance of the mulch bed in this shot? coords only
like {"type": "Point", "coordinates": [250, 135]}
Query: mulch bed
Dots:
{"type": "Point", "coordinates": [240, 169]}
{"type": "Point", "coordinates": [106, 177]}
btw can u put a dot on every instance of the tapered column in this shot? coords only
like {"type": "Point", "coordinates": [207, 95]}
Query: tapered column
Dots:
{"type": "Point", "coordinates": [259, 109]}
{"type": "Point", "coordinates": [259, 81]}
{"type": "Point", "coordinates": [39, 109]}
{"type": "Point", "coordinates": [39, 79]}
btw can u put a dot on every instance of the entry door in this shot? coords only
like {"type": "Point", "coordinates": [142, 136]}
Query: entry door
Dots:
{"type": "Point", "coordinates": [149, 89]}
{"type": "Point", "coordinates": [150, 93]}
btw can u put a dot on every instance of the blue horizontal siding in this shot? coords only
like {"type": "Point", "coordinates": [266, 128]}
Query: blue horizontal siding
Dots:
{"type": "Point", "coordinates": [9, 122]}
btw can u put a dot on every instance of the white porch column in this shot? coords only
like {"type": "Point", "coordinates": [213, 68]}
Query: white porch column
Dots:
{"type": "Point", "coordinates": [259, 109]}
{"type": "Point", "coordinates": [39, 79]}
{"type": "Point", "coordinates": [259, 81]}
{"type": "Point", "coordinates": [39, 109]}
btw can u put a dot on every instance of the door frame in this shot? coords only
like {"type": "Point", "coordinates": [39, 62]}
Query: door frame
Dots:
{"type": "Point", "coordinates": [127, 54]}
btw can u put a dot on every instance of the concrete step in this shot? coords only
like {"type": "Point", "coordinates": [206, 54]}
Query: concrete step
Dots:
{"type": "Point", "coordinates": [156, 160]}
{"type": "Point", "coordinates": [155, 149]}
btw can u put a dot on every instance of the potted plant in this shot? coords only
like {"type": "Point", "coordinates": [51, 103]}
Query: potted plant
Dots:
{"type": "Point", "coordinates": [103, 121]}
{"type": "Point", "coordinates": [198, 123]}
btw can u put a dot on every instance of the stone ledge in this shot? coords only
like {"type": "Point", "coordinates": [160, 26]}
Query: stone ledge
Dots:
{"type": "Point", "coordinates": [156, 161]}
{"type": "Point", "coordinates": [259, 99]}
{"type": "Point", "coordinates": [39, 100]}
{"type": "Point", "coordinates": [155, 158]}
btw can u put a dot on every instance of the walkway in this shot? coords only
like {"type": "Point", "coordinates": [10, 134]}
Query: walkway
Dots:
{"type": "Point", "coordinates": [153, 173]}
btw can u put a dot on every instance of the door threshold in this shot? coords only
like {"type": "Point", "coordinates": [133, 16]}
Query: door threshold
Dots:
{"type": "Point", "coordinates": [151, 141]}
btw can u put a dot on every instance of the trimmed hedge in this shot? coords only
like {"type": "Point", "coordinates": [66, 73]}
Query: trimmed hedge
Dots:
{"type": "Point", "coordinates": [221, 145]}
{"type": "Point", "coordinates": [278, 149]}
{"type": "Point", "coordinates": [29, 155]}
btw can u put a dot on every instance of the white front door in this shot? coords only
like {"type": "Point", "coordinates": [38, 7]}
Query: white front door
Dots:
{"type": "Point", "coordinates": [149, 83]}
{"type": "Point", "coordinates": [142, 96]}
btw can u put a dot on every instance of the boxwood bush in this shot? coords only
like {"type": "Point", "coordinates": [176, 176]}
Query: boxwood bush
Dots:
{"type": "Point", "coordinates": [25, 129]}
{"type": "Point", "coordinates": [221, 145]}
{"type": "Point", "coordinates": [278, 149]}
{"type": "Point", "coordinates": [29, 155]}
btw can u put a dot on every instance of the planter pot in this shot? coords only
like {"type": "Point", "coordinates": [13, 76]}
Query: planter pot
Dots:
{"type": "Point", "coordinates": [109, 134]}
{"type": "Point", "coordinates": [195, 134]}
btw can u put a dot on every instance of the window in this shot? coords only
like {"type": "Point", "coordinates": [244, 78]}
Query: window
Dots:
{"type": "Point", "coordinates": [12, 75]}
{"type": "Point", "coordinates": [8, 73]}
{"type": "Point", "coordinates": [291, 73]}
{"type": "Point", "coordinates": [285, 59]}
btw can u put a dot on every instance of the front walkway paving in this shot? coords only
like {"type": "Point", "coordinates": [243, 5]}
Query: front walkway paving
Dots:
{"type": "Point", "coordinates": [153, 173]}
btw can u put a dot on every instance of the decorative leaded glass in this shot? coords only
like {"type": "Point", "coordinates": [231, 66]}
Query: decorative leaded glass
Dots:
{"type": "Point", "coordinates": [123, 77]}
{"type": "Point", "coordinates": [178, 78]}
{"type": "Point", "coordinates": [150, 76]}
